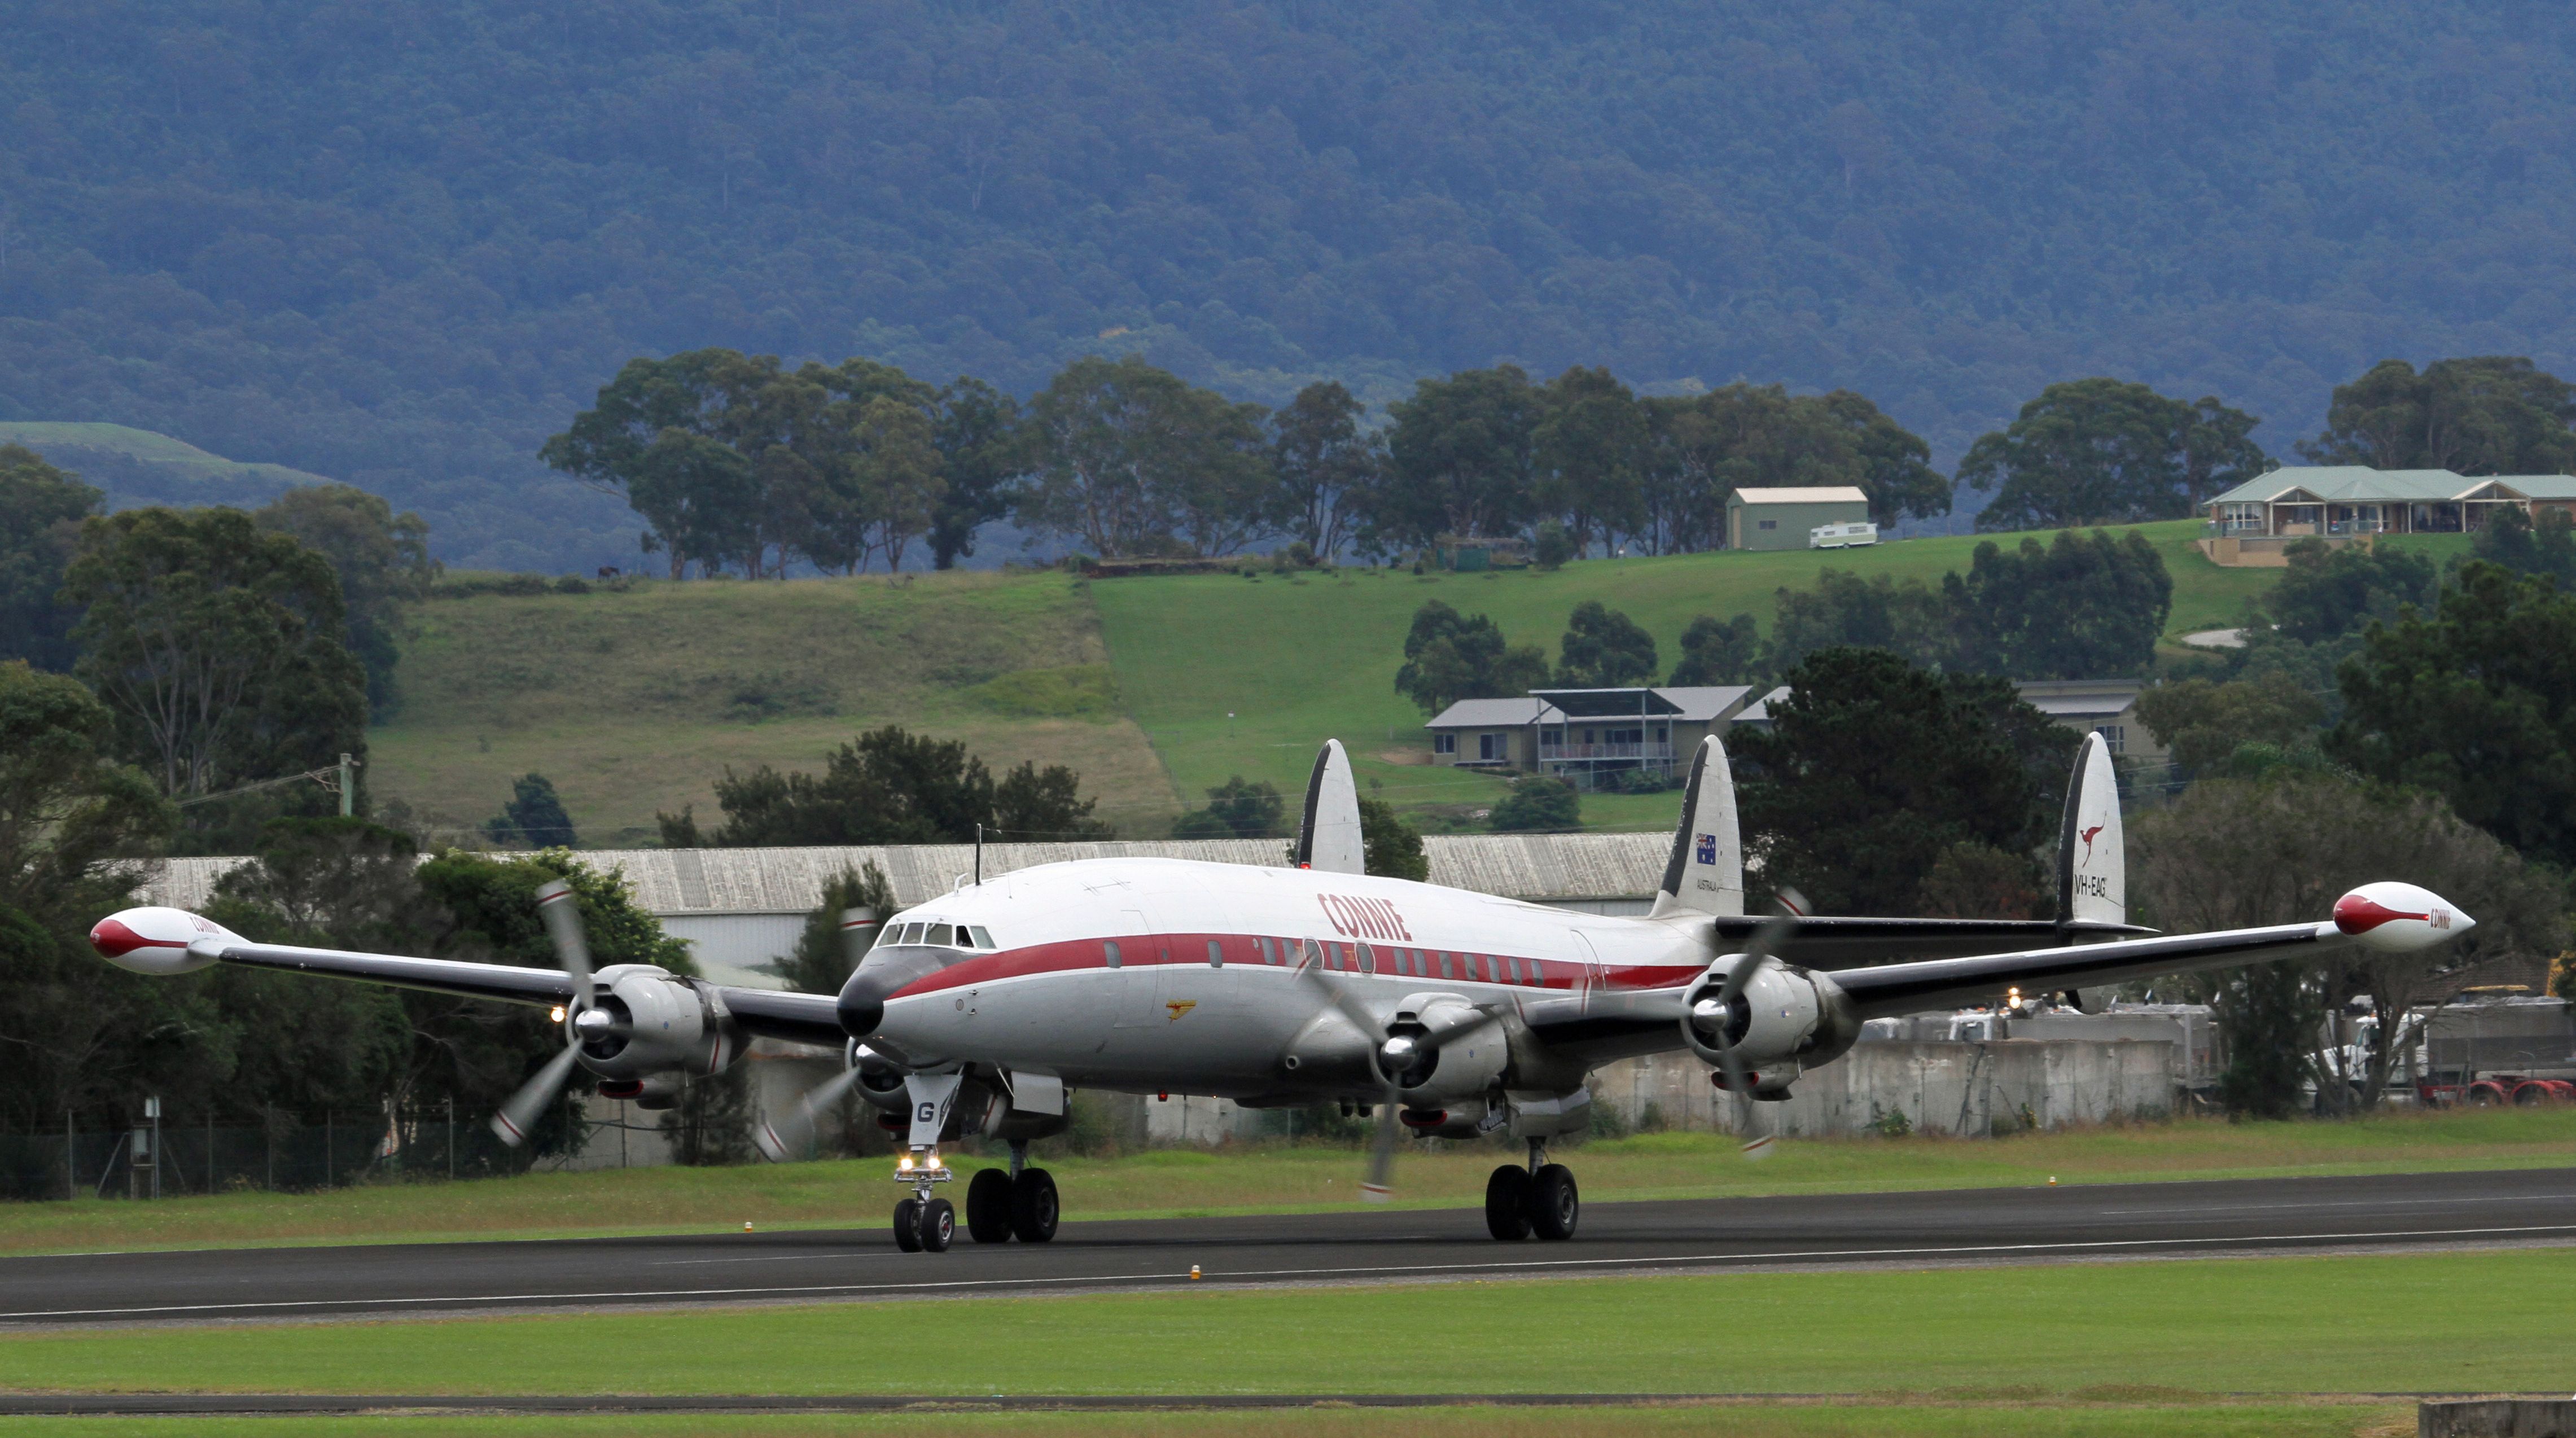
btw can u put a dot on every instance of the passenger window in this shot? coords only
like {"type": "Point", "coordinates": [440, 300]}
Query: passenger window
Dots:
{"type": "Point", "coordinates": [943, 935]}
{"type": "Point", "coordinates": [1514, 969]}
{"type": "Point", "coordinates": [983, 937]}
{"type": "Point", "coordinates": [1444, 966]}
{"type": "Point", "coordinates": [1216, 954]}
{"type": "Point", "coordinates": [1109, 950]}
{"type": "Point", "coordinates": [1368, 959]}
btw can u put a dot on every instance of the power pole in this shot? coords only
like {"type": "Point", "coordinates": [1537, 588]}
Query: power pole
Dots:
{"type": "Point", "coordinates": [348, 787]}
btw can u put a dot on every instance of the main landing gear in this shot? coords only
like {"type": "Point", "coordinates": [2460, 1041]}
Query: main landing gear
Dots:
{"type": "Point", "coordinates": [1539, 1199]}
{"type": "Point", "coordinates": [1020, 1204]}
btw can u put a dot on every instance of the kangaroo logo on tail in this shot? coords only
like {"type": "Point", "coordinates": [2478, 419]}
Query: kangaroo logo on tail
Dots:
{"type": "Point", "coordinates": [2087, 837]}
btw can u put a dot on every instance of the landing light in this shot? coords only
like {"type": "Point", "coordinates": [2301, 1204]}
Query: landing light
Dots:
{"type": "Point", "coordinates": [556, 1013]}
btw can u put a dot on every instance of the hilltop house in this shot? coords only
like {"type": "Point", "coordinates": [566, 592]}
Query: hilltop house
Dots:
{"type": "Point", "coordinates": [2253, 523]}
{"type": "Point", "coordinates": [1582, 735]}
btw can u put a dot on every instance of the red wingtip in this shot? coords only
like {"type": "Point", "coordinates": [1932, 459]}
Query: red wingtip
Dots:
{"type": "Point", "coordinates": [114, 940]}
{"type": "Point", "coordinates": [2355, 914]}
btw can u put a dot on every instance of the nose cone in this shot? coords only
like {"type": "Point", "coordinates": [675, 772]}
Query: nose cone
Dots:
{"type": "Point", "coordinates": [860, 1013]}
{"type": "Point", "coordinates": [2397, 917]}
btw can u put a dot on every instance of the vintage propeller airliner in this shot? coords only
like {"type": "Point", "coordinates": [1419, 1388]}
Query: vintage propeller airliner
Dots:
{"type": "Point", "coordinates": [1454, 1013]}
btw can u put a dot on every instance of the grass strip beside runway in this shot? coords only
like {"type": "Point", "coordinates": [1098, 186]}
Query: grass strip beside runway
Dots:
{"type": "Point", "coordinates": [2453, 1322]}
{"type": "Point", "coordinates": [1934, 1419]}
{"type": "Point", "coordinates": [1303, 1179]}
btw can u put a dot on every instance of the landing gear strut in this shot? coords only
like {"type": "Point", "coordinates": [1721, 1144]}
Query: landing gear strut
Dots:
{"type": "Point", "coordinates": [1540, 1198]}
{"type": "Point", "coordinates": [921, 1222]}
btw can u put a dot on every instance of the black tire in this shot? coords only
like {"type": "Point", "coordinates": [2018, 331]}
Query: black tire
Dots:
{"type": "Point", "coordinates": [907, 1225]}
{"type": "Point", "coordinates": [988, 1206]}
{"type": "Point", "coordinates": [1507, 1207]}
{"type": "Point", "coordinates": [938, 1225]}
{"type": "Point", "coordinates": [1555, 1206]}
{"type": "Point", "coordinates": [1034, 1207]}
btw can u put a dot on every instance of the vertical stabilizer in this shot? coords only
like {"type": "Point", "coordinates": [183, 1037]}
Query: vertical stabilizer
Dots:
{"type": "Point", "coordinates": [1706, 871]}
{"type": "Point", "coordinates": [2092, 878]}
{"type": "Point", "coordinates": [1328, 837]}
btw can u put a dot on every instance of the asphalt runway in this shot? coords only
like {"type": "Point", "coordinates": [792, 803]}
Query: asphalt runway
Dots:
{"type": "Point", "coordinates": [1974, 1226]}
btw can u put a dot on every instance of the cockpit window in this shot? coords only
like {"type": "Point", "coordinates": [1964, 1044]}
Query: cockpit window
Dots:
{"type": "Point", "coordinates": [983, 937]}
{"type": "Point", "coordinates": [943, 935]}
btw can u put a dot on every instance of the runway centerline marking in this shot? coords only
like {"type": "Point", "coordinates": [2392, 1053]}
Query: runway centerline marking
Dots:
{"type": "Point", "coordinates": [1636, 1260]}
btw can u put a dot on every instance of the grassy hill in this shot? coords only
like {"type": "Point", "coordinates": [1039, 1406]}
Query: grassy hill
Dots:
{"type": "Point", "coordinates": [138, 466]}
{"type": "Point", "coordinates": [637, 700]}
{"type": "Point", "coordinates": [1154, 689]}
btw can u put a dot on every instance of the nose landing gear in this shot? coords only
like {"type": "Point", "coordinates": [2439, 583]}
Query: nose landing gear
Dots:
{"type": "Point", "coordinates": [1540, 1199]}
{"type": "Point", "coordinates": [1000, 1206]}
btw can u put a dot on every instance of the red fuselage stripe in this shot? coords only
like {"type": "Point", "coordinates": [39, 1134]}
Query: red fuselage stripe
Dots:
{"type": "Point", "coordinates": [1190, 951]}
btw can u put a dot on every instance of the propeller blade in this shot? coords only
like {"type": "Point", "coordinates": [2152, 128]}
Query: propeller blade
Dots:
{"type": "Point", "coordinates": [519, 1113]}
{"type": "Point", "coordinates": [790, 1136]}
{"type": "Point", "coordinates": [1311, 969]}
{"type": "Point", "coordinates": [1767, 940]}
{"type": "Point", "coordinates": [1379, 1186]}
{"type": "Point", "coordinates": [561, 909]}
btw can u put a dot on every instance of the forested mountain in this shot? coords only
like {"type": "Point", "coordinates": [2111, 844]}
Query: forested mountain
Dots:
{"type": "Point", "coordinates": [402, 243]}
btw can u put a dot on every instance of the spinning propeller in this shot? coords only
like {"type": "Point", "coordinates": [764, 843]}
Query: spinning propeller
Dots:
{"type": "Point", "coordinates": [518, 1114]}
{"type": "Point", "coordinates": [1711, 1015]}
{"type": "Point", "coordinates": [1395, 1054]}
{"type": "Point", "coordinates": [787, 1137]}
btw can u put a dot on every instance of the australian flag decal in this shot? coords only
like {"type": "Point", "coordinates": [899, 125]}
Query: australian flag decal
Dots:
{"type": "Point", "coordinates": [1707, 850]}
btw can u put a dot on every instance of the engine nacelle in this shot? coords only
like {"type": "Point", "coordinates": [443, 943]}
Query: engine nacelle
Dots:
{"type": "Point", "coordinates": [656, 1023]}
{"type": "Point", "coordinates": [880, 1079]}
{"type": "Point", "coordinates": [1440, 1049]}
{"type": "Point", "coordinates": [1785, 1021]}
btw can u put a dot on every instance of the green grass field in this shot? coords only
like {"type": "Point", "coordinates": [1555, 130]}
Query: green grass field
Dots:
{"type": "Point", "coordinates": [1306, 1178]}
{"type": "Point", "coordinates": [1294, 660]}
{"type": "Point", "coordinates": [2172, 1416]}
{"type": "Point", "coordinates": [2472, 1321]}
{"type": "Point", "coordinates": [1154, 688]}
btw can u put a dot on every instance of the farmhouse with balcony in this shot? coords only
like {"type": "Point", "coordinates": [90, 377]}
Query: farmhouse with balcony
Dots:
{"type": "Point", "coordinates": [2253, 523]}
{"type": "Point", "coordinates": [1584, 735]}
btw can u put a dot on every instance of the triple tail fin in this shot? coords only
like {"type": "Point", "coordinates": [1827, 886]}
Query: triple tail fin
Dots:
{"type": "Point", "coordinates": [2092, 877]}
{"type": "Point", "coordinates": [1705, 874]}
{"type": "Point", "coordinates": [1328, 837]}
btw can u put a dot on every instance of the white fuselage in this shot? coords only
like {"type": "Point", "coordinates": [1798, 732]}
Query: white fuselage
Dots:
{"type": "Point", "coordinates": [1166, 974]}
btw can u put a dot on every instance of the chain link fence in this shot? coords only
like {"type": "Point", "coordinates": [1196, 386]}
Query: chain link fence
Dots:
{"type": "Point", "coordinates": [280, 1153]}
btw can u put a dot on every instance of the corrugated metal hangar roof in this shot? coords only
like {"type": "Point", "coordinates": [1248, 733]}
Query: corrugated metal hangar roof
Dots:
{"type": "Point", "coordinates": [1545, 868]}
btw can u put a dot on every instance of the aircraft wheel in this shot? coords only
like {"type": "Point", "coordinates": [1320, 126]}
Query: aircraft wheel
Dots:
{"type": "Point", "coordinates": [907, 1225]}
{"type": "Point", "coordinates": [938, 1225]}
{"type": "Point", "coordinates": [1554, 1204]}
{"type": "Point", "coordinates": [1033, 1205]}
{"type": "Point", "coordinates": [1507, 1203]}
{"type": "Point", "coordinates": [988, 1206]}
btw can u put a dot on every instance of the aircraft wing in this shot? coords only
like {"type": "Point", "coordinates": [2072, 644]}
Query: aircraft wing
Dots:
{"type": "Point", "coordinates": [169, 941]}
{"type": "Point", "coordinates": [1943, 983]}
{"type": "Point", "coordinates": [509, 983]}
{"type": "Point", "coordinates": [2388, 916]}
{"type": "Point", "coordinates": [1841, 943]}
